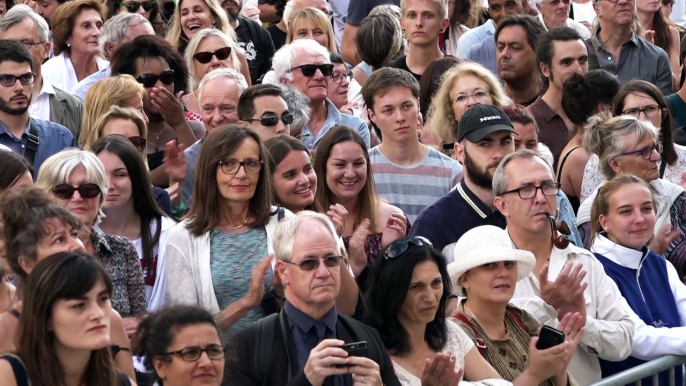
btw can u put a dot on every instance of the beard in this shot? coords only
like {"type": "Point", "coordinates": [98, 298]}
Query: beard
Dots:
{"type": "Point", "coordinates": [480, 178]}
{"type": "Point", "coordinates": [232, 13]}
{"type": "Point", "coordinates": [5, 105]}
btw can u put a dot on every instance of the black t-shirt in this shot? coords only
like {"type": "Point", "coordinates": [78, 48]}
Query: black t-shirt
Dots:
{"type": "Point", "coordinates": [401, 63]}
{"type": "Point", "coordinates": [278, 36]}
{"type": "Point", "coordinates": [359, 9]}
{"type": "Point", "coordinates": [257, 44]}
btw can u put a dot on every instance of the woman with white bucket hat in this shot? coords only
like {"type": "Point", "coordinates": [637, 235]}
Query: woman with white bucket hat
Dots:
{"type": "Point", "coordinates": [485, 271]}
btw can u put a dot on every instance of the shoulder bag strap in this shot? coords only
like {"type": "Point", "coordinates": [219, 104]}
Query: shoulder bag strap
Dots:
{"type": "Point", "coordinates": [480, 342]}
{"type": "Point", "coordinates": [517, 319]}
{"type": "Point", "coordinates": [262, 345]}
{"type": "Point", "coordinates": [32, 142]}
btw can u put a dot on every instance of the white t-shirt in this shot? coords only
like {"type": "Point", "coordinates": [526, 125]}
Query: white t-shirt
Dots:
{"type": "Point", "coordinates": [155, 294]}
{"type": "Point", "coordinates": [584, 12]}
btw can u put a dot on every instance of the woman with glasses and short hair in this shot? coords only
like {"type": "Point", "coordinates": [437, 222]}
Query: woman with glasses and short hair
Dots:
{"type": "Point", "coordinates": [219, 257]}
{"type": "Point", "coordinates": [627, 145]}
{"type": "Point", "coordinates": [643, 100]}
{"type": "Point", "coordinates": [76, 179]}
{"type": "Point", "coordinates": [409, 288]}
{"type": "Point", "coordinates": [181, 344]}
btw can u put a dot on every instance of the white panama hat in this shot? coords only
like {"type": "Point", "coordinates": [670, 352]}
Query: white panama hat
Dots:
{"type": "Point", "coordinates": [486, 244]}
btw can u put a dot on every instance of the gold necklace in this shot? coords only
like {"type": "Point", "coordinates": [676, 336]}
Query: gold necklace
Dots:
{"type": "Point", "coordinates": [237, 227]}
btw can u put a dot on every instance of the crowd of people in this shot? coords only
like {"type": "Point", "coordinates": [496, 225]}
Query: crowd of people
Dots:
{"type": "Point", "coordinates": [342, 192]}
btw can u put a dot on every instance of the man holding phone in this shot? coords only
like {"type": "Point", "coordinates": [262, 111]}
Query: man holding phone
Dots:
{"type": "Point", "coordinates": [308, 343]}
{"type": "Point", "coordinates": [566, 279]}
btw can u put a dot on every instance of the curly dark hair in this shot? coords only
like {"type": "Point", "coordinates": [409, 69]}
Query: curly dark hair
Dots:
{"type": "Point", "coordinates": [389, 281]}
{"type": "Point", "coordinates": [126, 55]}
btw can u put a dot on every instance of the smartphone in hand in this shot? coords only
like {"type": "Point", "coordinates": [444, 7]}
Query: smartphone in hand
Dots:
{"type": "Point", "coordinates": [356, 349]}
{"type": "Point", "coordinates": [549, 337]}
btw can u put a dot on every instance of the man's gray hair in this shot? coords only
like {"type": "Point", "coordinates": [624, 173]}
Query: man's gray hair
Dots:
{"type": "Point", "coordinates": [284, 234]}
{"type": "Point", "coordinates": [299, 106]}
{"type": "Point", "coordinates": [500, 181]}
{"type": "Point", "coordinates": [283, 60]}
{"type": "Point", "coordinates": [220, 73]}
{"type": "Point", "coordinates": [114, 30]}
{"type": "Point", "coordinates": [18, 13]}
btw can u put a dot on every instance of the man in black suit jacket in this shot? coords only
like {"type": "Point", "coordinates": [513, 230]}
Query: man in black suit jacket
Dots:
{"type": "Point", "coordinates": [302, 345]}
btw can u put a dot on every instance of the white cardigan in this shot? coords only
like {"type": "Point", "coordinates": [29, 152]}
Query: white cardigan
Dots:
{"type": "Point", "coordinates": [189, 276]}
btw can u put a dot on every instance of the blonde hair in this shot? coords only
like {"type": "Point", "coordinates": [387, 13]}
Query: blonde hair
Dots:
{"type": "Point", "coordinates": [57, 169]}
{"type": "Point", "coordinates": [443, 6]}
{"type": "Point", "coordinates": [114, 91]}
{"type": "Point", "coordinates": [443, 122]}
{"type": "Point", "coordinates": [319, 19]}
{"type": "Point", "coordinates": [601, 204]}
{"type": "Point", "coordinates": [179, 40]}
{"type": "Point", "coordinates": [608, 137]}
{"type": "Point", "coordinates": [195, 43]}
{"type": "Point", "coordinates": [116, 112]}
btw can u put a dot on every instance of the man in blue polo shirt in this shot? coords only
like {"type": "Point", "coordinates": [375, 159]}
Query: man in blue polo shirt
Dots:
{"type": "Point", "coordinates": [32, 138]}
{"type": "Point", "coordinates": [484, 138]}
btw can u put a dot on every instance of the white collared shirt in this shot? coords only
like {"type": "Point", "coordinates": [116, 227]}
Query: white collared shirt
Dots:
{"type": "Point", "coordinates": [650, 342]}
{"type": "Point", "coordinates": [60, 71]}
{"type": "Point", "coordinates": [40, 107]}
{"type": "Point", "coordinates": [609, 328]}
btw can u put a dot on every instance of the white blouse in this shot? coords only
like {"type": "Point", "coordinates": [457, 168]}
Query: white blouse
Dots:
{"type": "Point", "coordinates": [60, 71]}
{"type": "Point", "coordinates": [459, 345]}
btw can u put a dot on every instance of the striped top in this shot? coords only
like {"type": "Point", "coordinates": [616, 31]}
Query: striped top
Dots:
{"type": "Point", "coordinates": [412, 188]}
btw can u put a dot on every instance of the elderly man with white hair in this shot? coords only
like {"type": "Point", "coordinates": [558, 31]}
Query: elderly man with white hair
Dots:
{"type": "Point", "coordinates": [218, 94]}
{"type": "Point", "coordinates": [49, 103]}
{"type": "Point", "coordinates": [304, 343]}
{"type": "Point", "coordinates": [306, 65]}
{"type": "Point", "coordinates": [121, 28]}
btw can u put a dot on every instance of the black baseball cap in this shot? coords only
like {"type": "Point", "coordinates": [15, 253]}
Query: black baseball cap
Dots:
{"type": "Point", "coordinates": [481, 120]}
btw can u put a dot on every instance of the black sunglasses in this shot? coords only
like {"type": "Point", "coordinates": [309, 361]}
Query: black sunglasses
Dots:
{"type": "Point", "coordinates": [562, 240]}
{"type": "Point", "coordinates": [311, 264]}
{"type": "Point", "coordinates": [138, 142]}
{"type": "Point", "coordinates": [206, 57]}
{"type": "Point", "coordinates": [150, 80]}
{"type": "Point", "coordinates": [133, 7]}
{"type": "Point", "coordinates": [309, 70]}
{"type": "Point", "coordinates": [399, 247]}
{"type": "Point", "coordinates": [66, 191]}
{"type": "Point", "coordinates": [272, 120]}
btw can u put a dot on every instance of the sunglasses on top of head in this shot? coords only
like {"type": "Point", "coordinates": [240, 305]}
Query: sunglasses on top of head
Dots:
{"type": "Point", "coordinates": [150, 80]}
{"type": "Point", "coordinates": [133, 7]}
{"type": "Point", "coordinates": [66, 191]}
{"type": "Point", "coordinates": [309, 70]}
{"type": "Point", "coordinates": [206, 57]}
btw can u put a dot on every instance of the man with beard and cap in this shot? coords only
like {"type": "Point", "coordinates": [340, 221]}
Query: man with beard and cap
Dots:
{"type": "Point", "coordinates": [35, 139]}
{"type": "Point", "coordinates": [254, 39]}
{"type": "Point", "coordinates": [484, 137]}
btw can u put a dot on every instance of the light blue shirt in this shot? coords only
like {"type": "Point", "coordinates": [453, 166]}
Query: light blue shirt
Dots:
{"type": "Point", "coordinates": [484, 54]}
{"type": "Point", "coordinates": [84, 85]}
{"type": "Point", "coordinates": [473, 37]}
{"type": "Point", "coordinates": [334, 118]}
{"type": "Point", "coordinates": [191, 155]}
{"type": "Point", "coordinates": [566, 214]}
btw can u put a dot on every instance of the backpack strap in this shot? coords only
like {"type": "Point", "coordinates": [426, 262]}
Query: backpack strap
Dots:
{"type": "Point", "coordinates": [480, 342]}
{"type": "Point", "coordinates": [18, 368]}
{"type": "Point", "coordinates": [32, 142]}
{"type": "Point", "coordinates": [516, 318]}
{"type": "Point", "coordinates": [262, 345]}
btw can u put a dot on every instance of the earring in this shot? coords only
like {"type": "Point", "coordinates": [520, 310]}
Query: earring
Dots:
{"type": "Point", "coordinates": [68, 45]}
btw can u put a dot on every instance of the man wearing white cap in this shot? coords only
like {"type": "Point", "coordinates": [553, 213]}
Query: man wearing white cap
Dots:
{"type": "Point", "coordinates": [486, 270]}
{"type": "Point", "coordinates": [565, 278]}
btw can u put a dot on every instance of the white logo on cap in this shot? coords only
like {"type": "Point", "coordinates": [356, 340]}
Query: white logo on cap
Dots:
{"type": "Point", "coordinates": [492, 117]}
